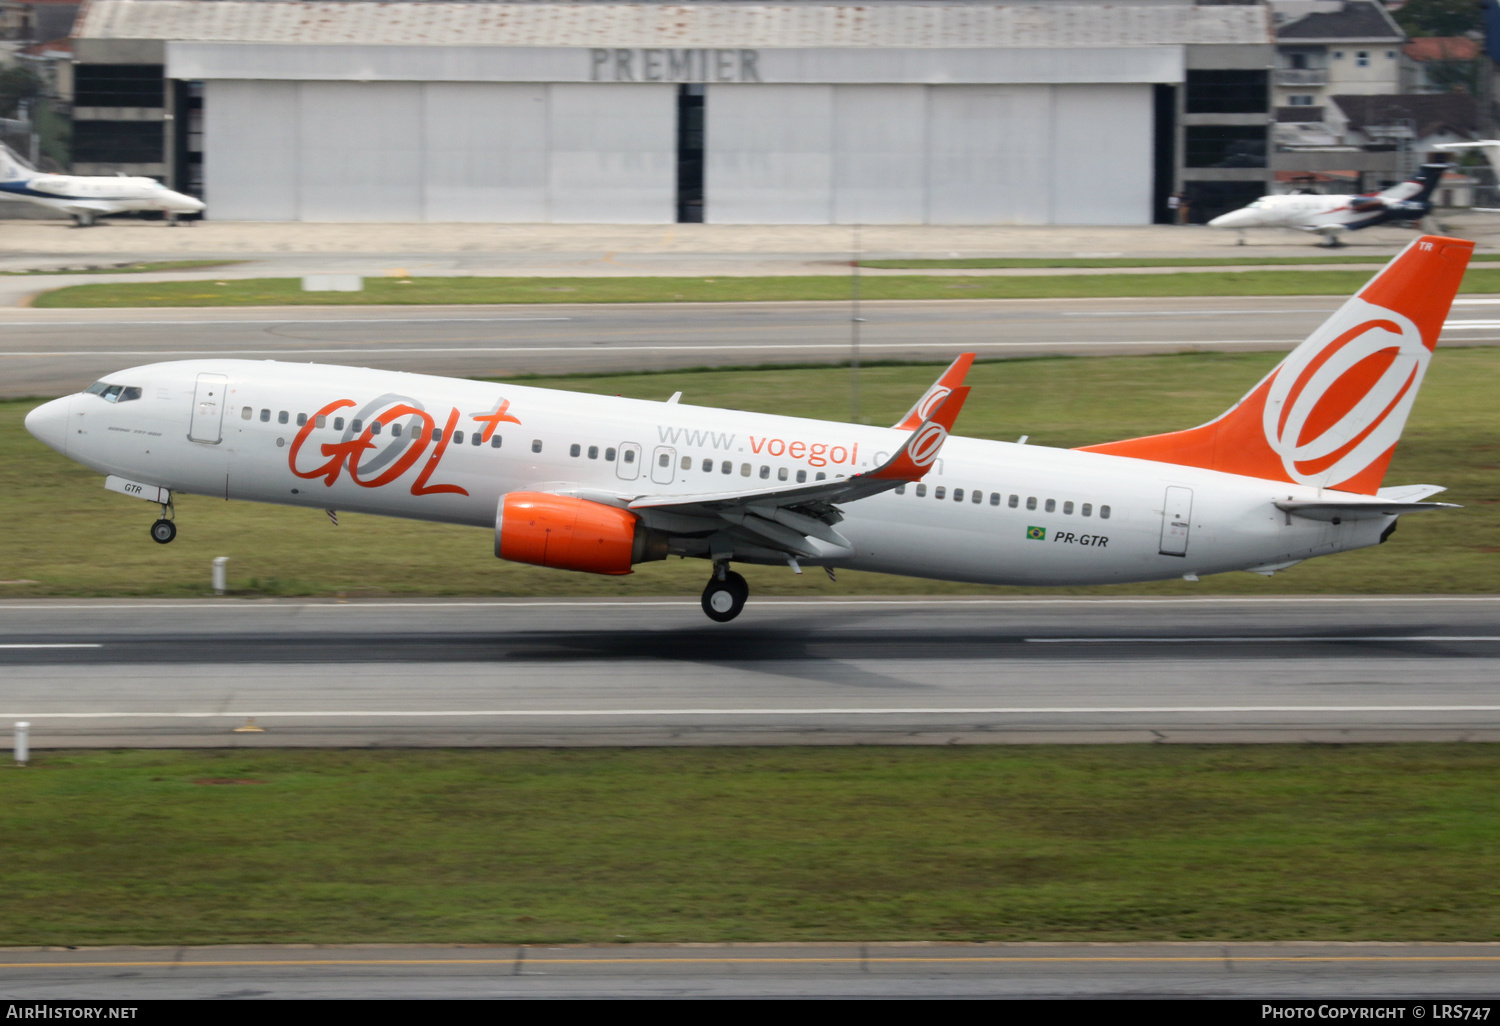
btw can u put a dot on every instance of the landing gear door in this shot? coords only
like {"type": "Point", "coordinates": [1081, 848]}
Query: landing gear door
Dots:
{"type": "Point", "coordinates": [1176, 518]}
{"type": "Point", "coordinates": [663, 464]}
{"type": "Point", "coordinates": [628, 465]}
{"type": "Point", "coordinates": [208, 409]}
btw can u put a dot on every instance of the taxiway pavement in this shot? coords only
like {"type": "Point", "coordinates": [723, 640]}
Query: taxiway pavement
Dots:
{"type": "Point", "coordinates": [52, 352]}
{"type": "Point", "coordinates": [818, 671]}
{"type": "Point", "coordinates": [1281, 973]}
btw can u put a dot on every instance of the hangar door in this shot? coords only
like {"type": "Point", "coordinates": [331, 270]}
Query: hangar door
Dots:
{"type": "Point", "coordinates": [439, 151]}
{"type": "Point", "coordinates": [912, 154]}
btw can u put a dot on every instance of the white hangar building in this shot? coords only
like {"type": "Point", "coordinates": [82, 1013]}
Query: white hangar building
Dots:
{"type": "Point", "coordinates": [812, 113]}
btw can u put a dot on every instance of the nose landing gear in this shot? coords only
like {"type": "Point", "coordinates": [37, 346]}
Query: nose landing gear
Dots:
{"type": "Point", "coordinates": [164, 530]}
{"type": "Point", "coordinates": [725, 595]}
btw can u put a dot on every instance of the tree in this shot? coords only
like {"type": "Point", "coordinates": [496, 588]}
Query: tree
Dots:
{"type": "Point", "coordinates": [1440, 17]}
{"type": "Point", "coordinates": [17, 84]}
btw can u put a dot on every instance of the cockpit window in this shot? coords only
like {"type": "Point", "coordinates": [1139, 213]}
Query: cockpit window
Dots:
{"type": "Point", "coordinates": [114, 393]}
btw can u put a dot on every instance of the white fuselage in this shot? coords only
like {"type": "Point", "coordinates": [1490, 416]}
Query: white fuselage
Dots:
{"type": "Point", "coordinates": [99, 195]}
{"type": "Point", "coordinates": [230, 428]}
{"type": "Point", "coordinates": [1306, 211]}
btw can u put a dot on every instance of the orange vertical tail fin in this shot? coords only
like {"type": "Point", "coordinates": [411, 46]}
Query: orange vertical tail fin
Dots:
{"type": "Point", "coordinates": [1330, 414]}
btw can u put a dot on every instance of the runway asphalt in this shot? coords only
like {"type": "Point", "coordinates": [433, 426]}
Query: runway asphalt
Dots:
{"type": "Point", "coordinates": [52, 352]}
{"type": "Point", "coordinates": [1281, 973]}
{"type": "Point", "coordinates": [656, 671]}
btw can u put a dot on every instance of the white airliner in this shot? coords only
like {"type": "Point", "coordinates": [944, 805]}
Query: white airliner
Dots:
{"type": "Point", "coordinates": [600, 484]}
{"type": "Point", "coordinates": [1410, 200]}
{"type": "Point", "coordinates": [87, 198]}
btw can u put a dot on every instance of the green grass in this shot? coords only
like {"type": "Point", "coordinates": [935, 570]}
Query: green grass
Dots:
{"type": "Point", "coordinates": [71, 537]}
{"type": "Point", "coordinates": [428, 291]}
{"type": "Point", "coordinates": [137, 268]}
{"type": "Point", "coordinates": [1249, 261]}
{"type": "Point", "coordinates": [1097, 843]}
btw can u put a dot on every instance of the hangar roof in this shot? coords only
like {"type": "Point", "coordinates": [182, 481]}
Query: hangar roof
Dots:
{"type": "Point", "coordinates": [674, 26]}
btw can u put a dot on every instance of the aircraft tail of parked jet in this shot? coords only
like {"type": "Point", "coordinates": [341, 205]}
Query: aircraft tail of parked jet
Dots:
{"type": "Point", "coordinates": [1419, 187]}
{"type": "Point", "coordinates": [1330, 414]}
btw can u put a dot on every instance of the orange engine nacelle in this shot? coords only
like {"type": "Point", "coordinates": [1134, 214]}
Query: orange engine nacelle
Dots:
{"type": "Point", "coordinates": [566, 533]}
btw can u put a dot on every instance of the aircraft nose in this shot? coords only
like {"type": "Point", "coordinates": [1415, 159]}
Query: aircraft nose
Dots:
{"type": "Point", "coordinates": [1233, 219]}
{"type": "Point", "coordinates": [48, 423]}
{"type": "Point", "coordinates": [189, 204]}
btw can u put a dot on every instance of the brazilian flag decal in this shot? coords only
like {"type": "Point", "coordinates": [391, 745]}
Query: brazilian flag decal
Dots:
{"type": "Point", "coordinates": [1036, 533]}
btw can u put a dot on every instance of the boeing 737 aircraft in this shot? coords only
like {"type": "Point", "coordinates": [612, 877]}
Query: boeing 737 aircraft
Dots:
{"type": "Point", "coordinates": [600, 484]}
{"type": "Point", "coordinates": [1411, 200]}
{"type": "Point", "coordinates": [86, 199]}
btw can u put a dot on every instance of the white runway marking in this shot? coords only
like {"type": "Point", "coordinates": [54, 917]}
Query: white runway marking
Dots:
{"type": "Point", "coordinates": [1255, 638]}
{"type": "Point", "coordinates": [1470, 325]}
{"type": "Point", "coordinates": [585, 349]}
{"type": "Point", "coordinates": [284, 320]}
{"type": "Point", "coordinates": [59, 645]}
{"type": "Point", "coordinates": [259, 714]}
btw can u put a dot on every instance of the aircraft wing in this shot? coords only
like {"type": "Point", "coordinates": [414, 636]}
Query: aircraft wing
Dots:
{"type": "Point", "coordinates": [95, 207]}
{"type": "Point", "coordinates": [799, 519]}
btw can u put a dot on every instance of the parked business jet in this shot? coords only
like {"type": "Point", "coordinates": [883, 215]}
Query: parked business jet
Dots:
{"type": "Point", "coordinates": [1410, 200]}
{"type": "Point", "coordinates": [87, 198]}
{"type": "Point", "coordinates": [600, 484]}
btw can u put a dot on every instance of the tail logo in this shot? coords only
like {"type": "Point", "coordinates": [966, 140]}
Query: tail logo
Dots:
{"type": "Point", "coordinates": [1333, 409]}
{"type": "Point", "coordinates": [931, 401]}
{"type": "Point", "coordinates": [923, 448]}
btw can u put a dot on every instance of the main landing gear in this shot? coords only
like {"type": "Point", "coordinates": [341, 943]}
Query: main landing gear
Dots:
{"type": "Point", "coordinates": [725, 595]}
{"type": "Point", "coordinates": [164, 530]}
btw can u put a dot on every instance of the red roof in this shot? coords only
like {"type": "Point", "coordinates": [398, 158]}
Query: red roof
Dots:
{"type": "Point", "coordinates": [1441, 48]}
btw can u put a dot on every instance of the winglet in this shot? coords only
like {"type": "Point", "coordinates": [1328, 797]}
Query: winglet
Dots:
{"type": "Point", "coordinates": [950, 379]}
{"type": "Point", "coordinates": [915, 458]}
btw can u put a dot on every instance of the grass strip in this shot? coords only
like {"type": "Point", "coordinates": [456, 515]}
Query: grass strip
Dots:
{"type": "Point", "coordinates": [68, 536]}
{"type": "Point", "coordinates": [982, 843]}
{"type": "Point", "coordinates": [960, 263]}
{"type": "Point", "coordinates": [811, 288]}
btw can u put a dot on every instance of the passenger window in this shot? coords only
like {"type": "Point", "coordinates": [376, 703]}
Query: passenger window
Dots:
{"type": "Point", "coordinates": [665, 460]}
{"type": "Point", "coordinates": [1051, 505]}
{"type": "Point", "coordinates": [921, 491]}
{"type": "Point", "coordinates": [437, 434]}
{"type": "Point", "coordinates": [765, 472]}
{"type": "Point", "coordinates": [820, 476]}
{"type": "Point", "coordinates": [1103, 512]}
{"type": "Point", "coordinates": [900, 488]}
{"type": "Point", "coordinates": [781, 473]}
{"type": "Point", "coordinates": [338, 423]}
{"type": "Point", "coordinates": [1068, 507]}
{"type": "Point", "coordinates": [281, 418]}
{"type": "Point", "coordinates": [536, 445]}
{"type": "Point", "coordinates": [978, 497]}
{"type": "Point", "coordinates": [628, 455]}
{"type": "Point", "coordinates": [396, 430]}
{"type": "Point", "coordinates": [994, 498]}
{"type": "Point", "coordinates": [265, 416]}
{"type": "Point", "coordinates": [357, 426]}
{"type": "Point", "coordinates": [320, 421]}
{"type": "Point", "coordinates": [458, 438]}
{"type": "Point", "coordinates": [376, 427]}
{"type": "Point", "coordinates": [708, 466]}
{"type": "Point", "coordinates": [247, 413]}
{"type": "Point", "coordinates": [801, 476]}
{"type": "Point", "coordinates": [687, 463]}
{"type": "Point", "coordinates": [575, 449]}
{"type": "Point", "coordinates": [609, 454]}
{"type": "Point", "coordinates": [301, 419]}
{"type": "Point", "coordinates": [494, 441]}
{"type": "Point", "coordinates": [1031, 502]}
{"type": "Point", "coordinates": [1088, 509]}
{"type": "Point", "coordinates": [939, 491]}
{"type": "Point", "coordinates": [1015, 500]}
{"type": "Point", "coordinates": [958, 495]}
{"type": "Point", "coordinates": [593, 452]}
{"type": "Point", "coordinates": [478, 438]}
{"type": "Point", "coordinates": [744, 470]}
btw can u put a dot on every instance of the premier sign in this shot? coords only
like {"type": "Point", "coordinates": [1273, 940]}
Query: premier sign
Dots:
{"type": "Point", "coordinates": [652, 65]}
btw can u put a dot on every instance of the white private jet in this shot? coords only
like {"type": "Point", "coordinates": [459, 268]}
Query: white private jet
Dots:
{"type": "Point", "coordinates": [599, 484]}
{"type": "Point", "coordinates": [88, 198]}
{"type": "Point", "coordinates": [1410, 200]}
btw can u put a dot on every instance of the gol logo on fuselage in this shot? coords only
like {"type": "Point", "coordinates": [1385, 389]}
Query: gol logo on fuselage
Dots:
{"type": "Point", "coordinates": [372, 463]}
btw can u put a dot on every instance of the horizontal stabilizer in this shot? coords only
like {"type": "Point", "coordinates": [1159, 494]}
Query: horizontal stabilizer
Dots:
{"type": "Point", "coordinates": [1356, 510]}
